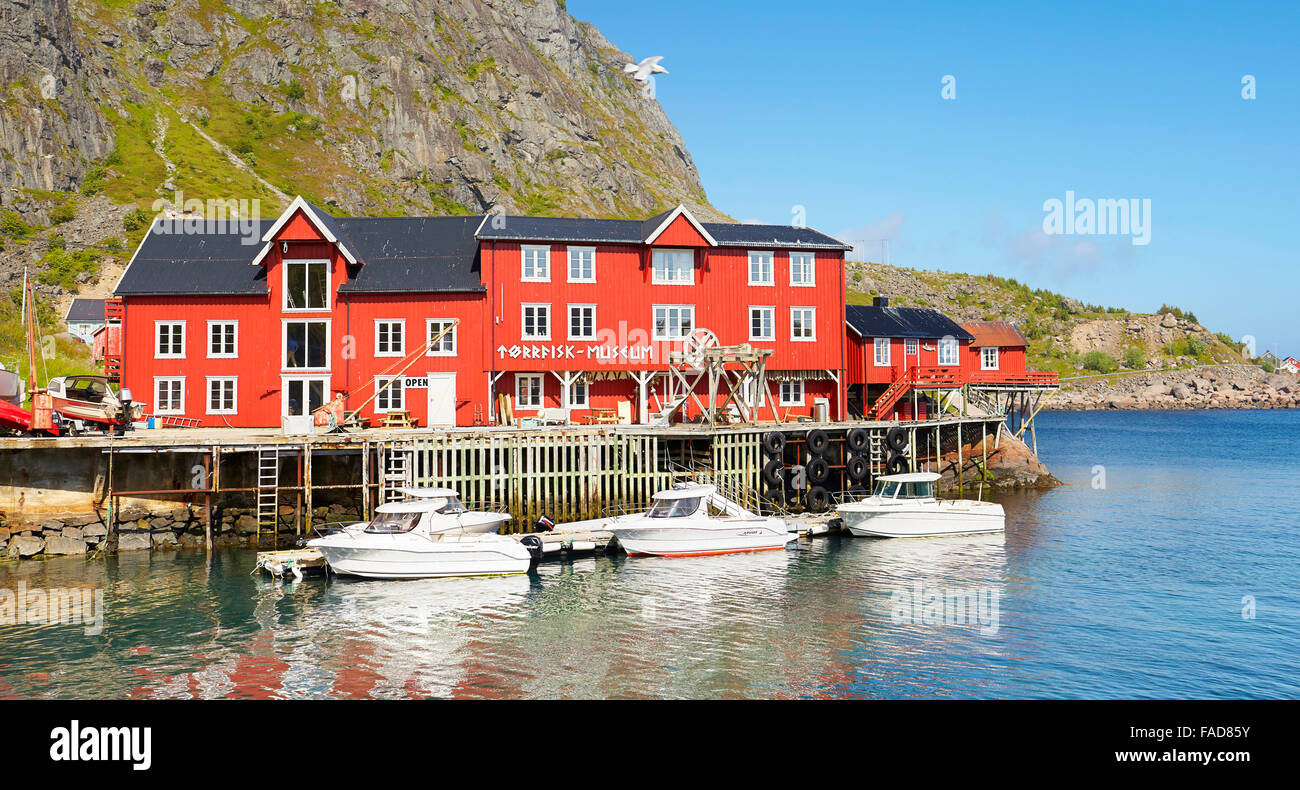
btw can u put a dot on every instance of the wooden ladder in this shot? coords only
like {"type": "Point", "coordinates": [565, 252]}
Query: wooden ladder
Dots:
{"type": "Point", "coordinates": [268, 491]}
{"type": "Point", "coordinates": [878, 454]}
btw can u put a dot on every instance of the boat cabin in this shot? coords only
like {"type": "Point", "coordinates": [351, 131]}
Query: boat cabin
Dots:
{"type": "Point", "coordinates": [680, 502]}
{"type": "Point", "coordinates": [913, 485]}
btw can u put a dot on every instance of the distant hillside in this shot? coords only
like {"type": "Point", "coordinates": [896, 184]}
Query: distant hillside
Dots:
{"type": "Point", "coordinates": [1065, 335]}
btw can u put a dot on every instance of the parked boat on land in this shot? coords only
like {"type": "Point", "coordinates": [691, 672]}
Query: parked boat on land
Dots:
{"type": "Point", "coordinates": [431, 534]}
{"type": "Point", "coordinates": [693, 520]}
{"type": "Point", "coordinates": [92, 399]}
{"type": "Point", "coordinates": [905, 506]}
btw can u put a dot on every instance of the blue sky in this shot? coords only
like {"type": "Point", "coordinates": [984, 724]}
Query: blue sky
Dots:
{"type": "Point", "coordinates": [837, 107]}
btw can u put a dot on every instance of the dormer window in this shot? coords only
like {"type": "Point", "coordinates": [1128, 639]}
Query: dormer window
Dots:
{"type": "Point", "coordinates": [306, 285]}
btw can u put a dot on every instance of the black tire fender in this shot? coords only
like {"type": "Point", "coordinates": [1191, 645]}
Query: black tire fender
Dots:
{"type": "Point", "coordinates": [817, 499]}
{"type": "Point", "coordinates": [772, 473]}
{"type": "Point", "coordinates": [858, 439]}
{"type": "Point", "coordinates": [818, 441]}
{"type": "Point", "coordinates": [897, 438]}
{"type": "Point", "coordinates": [818, 470]}
{"type": "Point", "coordinates": [774, 442]}
{"type": "Point", "coordinates": [858, 468]}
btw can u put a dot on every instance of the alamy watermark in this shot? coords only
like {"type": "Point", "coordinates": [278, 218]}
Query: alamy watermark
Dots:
{"type": "Point", "coordinates": [54, 606]}
{"type": "Point", "coordinates": [1098, 217]}
{"type": "Point", "coordinates": [183, 216]}
{"type": "Point", "coordinates": [925, 603]}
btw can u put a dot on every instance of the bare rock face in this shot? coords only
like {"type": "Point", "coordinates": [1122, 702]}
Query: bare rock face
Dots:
{"type": "Point", "coordinates": [1012, 463]}
{"type": "Point", "coordinates": [408, 106]}
{"type": "Point", "coordinates": [25, 546]}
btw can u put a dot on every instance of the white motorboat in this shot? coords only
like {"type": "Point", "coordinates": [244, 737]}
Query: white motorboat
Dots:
{"type": "Point", "coordinates": [431, 534]}
{"type": "Point", "coordinates": [905, 506]}
{"type": "Point", "coordinates": [694, 520]}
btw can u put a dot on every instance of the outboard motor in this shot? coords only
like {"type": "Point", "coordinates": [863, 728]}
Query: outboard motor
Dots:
{"type": "Point", "coordinates": [534, 546]}
{"type": "Point", "coordinates": [124, 395]}
{"type": "Point", "coordinates": [545, 524]}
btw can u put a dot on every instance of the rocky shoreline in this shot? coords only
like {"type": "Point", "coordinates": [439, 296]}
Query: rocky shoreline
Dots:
{"type": "Point", "coordinates": [181, 526]}
{"type": "Point", "coordinates": [1211, 387]}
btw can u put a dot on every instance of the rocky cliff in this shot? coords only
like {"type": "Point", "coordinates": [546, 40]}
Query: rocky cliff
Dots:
{"type": "Point", "coordinates": [431, 106]}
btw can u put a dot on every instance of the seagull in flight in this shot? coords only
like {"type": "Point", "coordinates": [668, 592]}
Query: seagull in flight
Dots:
{"type": "Point", "coordinates": [642, 71]}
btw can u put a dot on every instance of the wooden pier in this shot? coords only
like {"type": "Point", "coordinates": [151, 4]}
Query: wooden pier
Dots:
{"type": "Point", "coordinates": [567, 473]}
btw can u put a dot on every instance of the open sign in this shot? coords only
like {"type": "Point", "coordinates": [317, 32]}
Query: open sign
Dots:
{"type": "Point", "coordinates": [415, 383]}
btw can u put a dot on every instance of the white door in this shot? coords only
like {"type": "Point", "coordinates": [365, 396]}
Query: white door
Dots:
{"type": "Point", "coordinates": [442, 399]}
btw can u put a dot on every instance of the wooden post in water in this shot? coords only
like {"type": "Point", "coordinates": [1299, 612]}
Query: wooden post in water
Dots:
{"type": "Point", "coordinates": [306, 451]}
{"type": "Point", "coordinates": [961, 489]}
{"type": "Point", "coordinates": [207, 499]}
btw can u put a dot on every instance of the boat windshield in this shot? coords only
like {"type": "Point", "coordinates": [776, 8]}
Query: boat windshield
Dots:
{"type": "Point", "coordinates": [674, 508]}
{"type": "Point", "coordinates": [923, 490]}
{"type": "Point", "coordinates": [450, 505]}
{"type": "Point", "coordinates": [886, 489]}
{"type": "Point", "coordinates": [392, 523]}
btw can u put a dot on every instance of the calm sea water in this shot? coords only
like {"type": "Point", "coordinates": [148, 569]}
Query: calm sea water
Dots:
{"type": "Point", "coordinates": [1141, 588]}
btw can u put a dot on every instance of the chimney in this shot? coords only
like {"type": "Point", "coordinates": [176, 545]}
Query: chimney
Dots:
{"type": "Point", "coordinates": [880, 301]}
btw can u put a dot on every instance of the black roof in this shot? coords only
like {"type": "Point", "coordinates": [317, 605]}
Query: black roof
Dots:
{"type": "Point", "coordinates": [397, 254]}
{"type": "Point", "coordinates": [631, 231]}
{"type": "Point", "coordinates": [923, 322]}
{"type": "Point", "coordinates": [85, 310]}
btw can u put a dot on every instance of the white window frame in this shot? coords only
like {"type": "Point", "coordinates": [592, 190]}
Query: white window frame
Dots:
{"type": "Point", "coordinates": [541, 391]}
{"type": "Point", "coordinates": [523, 322]}
{"type": "Point", "coordinates": [234, 394]}
{"type": "Point", "coordinates": [569, 260]}
{"type": "Point", "coordinates": [428, 335]}
{"type": "Point", "coordinates": [811, 323]}
{"type": "Point", "coordinates": [401, 323]}
{"type": "Point", "coordinates": [789, 401]}
{"type": "Point", "coordinates": [572, 402]}
{"type": "Point", "coordinates": [654, 323]}
{"type": "Point", "coordinates": [284, 296]}
{"type": "Point", "coordinates": [212, 325]}
{"type": "Point", "coordinates": [569, 328]}
{"type": "Point", "coordinates": [157, 401]}
{"type": "Point", "coordinates": [286, 378]}
{"type": "Point", "coordinates": [771, 267]}
{"type": "Point", "coordinates": [882, 361]}
{"type": "Point", "coordinates": [984, 357]}
{"type": "Point", "coordinates": [770, 323]}
{"type": "Point", "coordinates": [284, 350]}
{"type": "Point", "coordinates": [384, 400]}
{"type": "Point", "coordinates": [911, 347]}
{"type": "Point", "coordinates": [545, 276]}
{"type": "Point", "coordinates": [157, 339]}
{"type": "Point", "coordinates": [956, 352]}
{"type": "Point", "coordinates": [810, 270]}
{"type": "Point", "coordinates": [655, 279]}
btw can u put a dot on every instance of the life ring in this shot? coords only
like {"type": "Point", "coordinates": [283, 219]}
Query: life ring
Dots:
{"type": "Point", "coordinates": [817, 498]}
{"type": "Point", "coordinates": [772, 473]}
{"type": "Point", "coordinates": [858, 439]}
{"type": "Point", "coordinates": [897, 464]}
{"type": "Point", "coordinates": [857, 468]}
{"type": "Point", "coordinates": [818, 470]}
{"type": "Point", "coordinates": [818, 441]}
{"type": "Point", "coordinates": [897, 438]}
{"type": "Point", "coordinates": [774, 442]}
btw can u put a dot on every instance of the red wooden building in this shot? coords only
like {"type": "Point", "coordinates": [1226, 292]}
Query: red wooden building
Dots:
{"type": "Point", "coordinates": [440, 314]}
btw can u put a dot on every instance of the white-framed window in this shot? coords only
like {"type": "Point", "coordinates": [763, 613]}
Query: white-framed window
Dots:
{"type": "Point", "coordinates": [948, 351]}
{"type": "Point", "coordinates": [223, 339]}
{"type": "Point", "coordinates": [390, 337]}
{"type": "Point", "coordinates": [792, 393]}
{"type": "Point", "coordinates": [582, 264]}
{"type": "Point", "coordinates": [582, 322]}
{"type": "Point", "coordinates": [882, 352]}
{"type": "Point", "coordinates": [673, 267]}
{"type": "Point", "coordinates": [528, 390]}
{"type": "Point", "coordinates": [803, 271]}
{"type": "Point", "coordinates": [306, 285]}
{"type": "Point", "coordinates": [222, 394]}
{"type": "Point", "coordinates": [578, 394]}
{"type": "Point", "coordinates": [536, 322]}
{"type": "Point", "coordinates": [306, 345]}
{"type": "Point", "coordinates": [169, 340]}
{"type": "Point", "coordinates": [910, 348]}
{"type": "Point", "coordinates": [762, 323]}
{"type": "Point", "coordinates": [444, 346]}
{"type": "Point", "coordinates": [760, 268]}
{"type": "Point", "coordinates": [989, 358]}
{"type": "Point", "coordinates": [803, 323]}
{"type": "Point", "coordinates": [169, 396]}
{"type": "Point", "coordinates": [535, 264]}
{"type": "Point", "coordinates": [391, 398]}
{"type": "Point", "coordinates": [673, 321]}
{"type": "Point", "coordinates": [303, 395]}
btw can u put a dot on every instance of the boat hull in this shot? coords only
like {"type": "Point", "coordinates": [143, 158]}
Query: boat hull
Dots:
{"type": "Point", "coordinates": [923, 522]}
{"type": "Point", "coordinates": [700, 542]}
{"type": "Point", "coordinates": [467, 558]}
